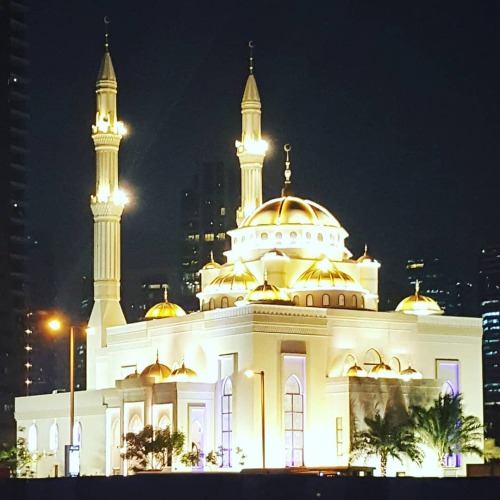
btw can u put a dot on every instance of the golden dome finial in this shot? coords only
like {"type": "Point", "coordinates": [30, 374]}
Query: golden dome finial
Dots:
{"type": "Point", "coordinates": [165, 292]}
{"type": "Point", "coordinates": [157, 356]}
{"type": "Point", "coordinates": [417, 287]}
{"type": "Point", "coordinates": [287, 191]}
{"type": "Point", "coordinates": [251, 46]}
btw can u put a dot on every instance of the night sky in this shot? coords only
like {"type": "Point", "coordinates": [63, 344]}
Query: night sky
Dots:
{"type": "Point", "coordinates": [391, 109]}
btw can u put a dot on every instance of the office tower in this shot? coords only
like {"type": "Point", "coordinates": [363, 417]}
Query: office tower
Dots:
{"type": "Point", "coordinates": [434, 282]}
{"type": "Point", "coordinates": [13, 124]}
{"type": "Point", "coordinates": [206, 215]}
{"type": "Point", "coordinates": [489, 293]}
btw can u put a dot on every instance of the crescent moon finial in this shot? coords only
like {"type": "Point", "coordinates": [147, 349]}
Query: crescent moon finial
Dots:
{"type": "Point", "coordinates": [251, 46]}
{"type": "Point", "coordinates": [106, 23]}
{"type": "Point", "coordinates": [288, 172]}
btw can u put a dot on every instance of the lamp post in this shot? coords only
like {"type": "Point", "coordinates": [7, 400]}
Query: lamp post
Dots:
{"type": "Point", "coordinates": [55, 325]}
{"type": "Point", "coordinates": [250, 373]}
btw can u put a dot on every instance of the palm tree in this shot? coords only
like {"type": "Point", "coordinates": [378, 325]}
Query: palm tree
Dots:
{"type": "Point", "coordinates": [385, 438]}
{"type": "Point", "coordinates": [444, 427]}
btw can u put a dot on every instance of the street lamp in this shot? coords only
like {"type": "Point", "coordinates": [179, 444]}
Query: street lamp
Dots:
{"type": "Point", "coordinates": [55, 325]}
{"type": "Point", "coordinates": [249, 374]}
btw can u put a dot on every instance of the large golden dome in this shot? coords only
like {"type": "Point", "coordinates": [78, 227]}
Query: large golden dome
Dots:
{"type": "Point", "coordinates": [419, 305]}
{"type": "Point", "coordinates": [324, 274]}
{"type": "Point", "coordinates": [290, 210]}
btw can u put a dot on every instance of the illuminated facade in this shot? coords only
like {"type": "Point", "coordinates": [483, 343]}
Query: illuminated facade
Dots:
{"type": "Point", "coordinates": [290, 304]}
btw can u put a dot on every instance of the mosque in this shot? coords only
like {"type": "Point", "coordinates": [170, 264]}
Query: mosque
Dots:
{"type": "Point", "coordinates": [291, 305]}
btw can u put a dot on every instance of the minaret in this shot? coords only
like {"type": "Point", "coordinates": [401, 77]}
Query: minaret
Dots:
{"type": "Point", "coordinates": [251, 150]}
{"type": "Point", "coordinates": [107, 207]}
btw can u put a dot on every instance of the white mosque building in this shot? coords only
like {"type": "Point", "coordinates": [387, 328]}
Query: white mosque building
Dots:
{"type": "Point", "coordinates": [291, 305]}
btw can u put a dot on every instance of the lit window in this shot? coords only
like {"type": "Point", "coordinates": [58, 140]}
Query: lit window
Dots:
{"type": "Point", "coordinates": [54, 437]}
{"type": "Point", "coordinates": [224, 302]}
{"type": "Point", "coordinates": [294, 423]}
{"type": "Point", "coordinates": [221, 236]}
{"type": "Point", "coordinates": [227, 421]}
{"type": "Point", "coordinates": [32, 438]}
{"type": "Point", "coordinates": [77, 434]}
{"type": "Point", "coordinates": [340, 437]}
{"type": "Point", "coordinates": [341, 300]}
{"type": "Point", "coordinates": [309, 301]}
{"type": "Point", "coordinates": [209, 236]}
{"type": "Point", "coordinates": [326, 300]}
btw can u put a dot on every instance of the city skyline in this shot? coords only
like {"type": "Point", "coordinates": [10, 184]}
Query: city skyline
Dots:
{"type": "Point", "coordinates": [388, 112]}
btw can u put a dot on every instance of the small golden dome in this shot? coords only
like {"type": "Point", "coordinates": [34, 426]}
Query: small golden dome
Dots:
{"type": "Point", "coordinates": [381, 370]}
{"type": "Point", "coordinates": [366, 257]}
{"type": "Point", "coordinates": [419, 305]}
{"type": "Point", "coordinates": [135, 374]}
{"type": "Point", "coordinates": [324, 274]}
{"type": "Point", "coordinates": [356, 371]}
{"type": "Point", "coordinates": [410, 373]}
{"type": "Point", "coordinates": [268, 294]}
{"type": "Point", "coordinates": [165, 309]}
{"type": "Point", "coordinates": [211, 264]}
{"type": "Point", "coordinates": [290, 210]}
{"type": "Point", "coordinates": [159, 371]}
{"type": "Point", "coordinates": [183, 374]}
{"type": "Point", "coordinates": [237, 280]}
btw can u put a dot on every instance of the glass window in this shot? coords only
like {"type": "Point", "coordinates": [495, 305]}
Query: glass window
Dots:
{"type": "Point", "coordinates": [309, 301]}
{"type": "Point", "coordinates": [326, 300]}
{"type": "Point", "coordinates": [294, 423]}
{"type": "Point", "coordinates": [32, 438]}
{"type": "Point", "coordinates": [225, 302]}
{"type": "Point", "coordinates": [227, 421]}
{"type": "Point", "coordinates": [341, 300]}
{"type": "Point", "coordinates": [54, 437]}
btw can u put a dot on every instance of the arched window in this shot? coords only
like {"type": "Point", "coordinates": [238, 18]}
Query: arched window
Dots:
{"type": "Point", "coordinates": [224, 302]}
{"type": "Point", "coordinates": [227, 421]}
{"type": "Point", "coordinates": [239, 298]}
{"type": "Point", "coordinates": [135, 424]}
{"type": "Point", "coordinates": [296, 300]}
{"type": "Point", "coordinates": [354, 301]}
{"type": "Point", "coordinates": [362, 303]}
{"type": "Point", "coordinates": [263, 236]}
{"type": "Point", "coordinates": [309, 301]}
{"type": "Point", "coordinates": [320, 237]}
{"type": "Point", "coordinates": [32, 438]}
{"type": "Point", "coordinates": [294, 423]}
{"type": "Point", "coordinates": [211, 304]}
{"type": "Point", "coordinates": [293, 235]}
{"type": "Point", "coordinates": [326, 300]}
{"type": "Point", "coordinates": [164, 422]}
{"type": "Point", "coordinates": [77, 434]}
{"type": "Point", "coordinates": [279, 236]}
{"type": "Point", "coordinates": [53, 437]}
{"type": "Point", "coordinates": [341, 300]}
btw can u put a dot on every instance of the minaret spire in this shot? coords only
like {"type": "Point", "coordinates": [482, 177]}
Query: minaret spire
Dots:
{"type": "Point", "coordinates": [107, 206]}
{"type": "Point", "coordinates": [251, 150]}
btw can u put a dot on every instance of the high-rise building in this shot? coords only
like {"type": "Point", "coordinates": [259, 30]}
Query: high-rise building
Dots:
{"type": "Point", "coordinates": [13, 125]}
{"type": "Point", "coordinates": [456, 297]}
{"type": "Point", "coordinates": [206, 215]}
{"type": "Point", "coordinates": [489, 292]}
